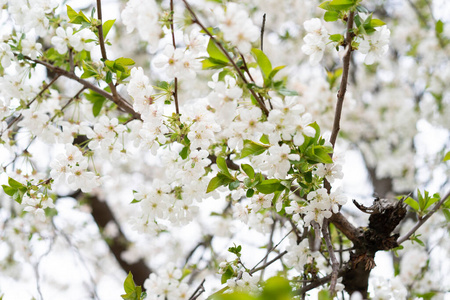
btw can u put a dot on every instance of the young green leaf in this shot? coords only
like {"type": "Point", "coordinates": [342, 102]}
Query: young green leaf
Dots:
{"type": "Point", "coordinates": [447, 156]}
{"type": "Point", "coordinates": [331, 16]}
{"type": "Point", "coordinates": [107, 27]}
{"type": "Point", "coordinates": [252, 148]}
{"type": "Point", "coordinates": [218, 181]}
{"type": "Point", "coordinates": [263, 62]}
{"type": "Point", "coordinates": [248, 170]}
{"type": "Point", "coordinates": [270, 186]}
{"type": "Point", "coordinates": [14, 183]}
{"type": "Point", "coordinates": [413, 203]}
{"type": "Point", "coordinates": [222, 165]}
{"type": "Point", "coordinates": [215, 53]}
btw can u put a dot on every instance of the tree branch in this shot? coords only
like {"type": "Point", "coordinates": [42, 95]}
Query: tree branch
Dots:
{"type": "Point", "coordinates": [225, 52]}
{"type": "Point", "coordinates": [343, 86]}
{"type": "Point", "coordinates": [334, 262]}
{"type": "Point", "coordinates": [115, 96]}
{"type": "Point", "coordinates": [423, 220]}
{"type": "Point", "coordinates": [175, 92]}
{"type": "Point", "coordinates": [121, 103]}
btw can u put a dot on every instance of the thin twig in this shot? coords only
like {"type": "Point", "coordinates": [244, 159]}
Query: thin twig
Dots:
{"type": "Point", "coordinates": [121, 102]}
{"type": "Point", "coordinates": [200, 290]}
{"type": "Point", "coordinates": [101, 41]}
{"type": "Point", "coordinates": [269, 245]}
{"type": "Point", "coordinates": [175, 92]}
{"type": "Point", "coordinates": [334, 262]}
{"type": "Point", "coordinates": [344, 80]}
{"type": "Point", "coordinates": [268, 263]}
{"type": "Point", "coordinates": [423, 220]}
{"type": "Point", "coordinates": [318, 282]}
{"type": "Point", "coordinates": [218, 44]}
{"type": "Point", "coordinates": [262, 31]}
{"type": "Point", "coordinates": [11, 123]}
{"type": "Point", "coordinates": [317, 238]}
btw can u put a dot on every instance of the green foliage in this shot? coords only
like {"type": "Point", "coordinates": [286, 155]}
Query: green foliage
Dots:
{"type": "Point", "coordinates": [76, 18]}
{"type": "Point", "coordinates": [107, 27]}
{"type": "Point", "coordinates": [132, 292]}
{"type": "Point", "coordinates": [263, 62]}
{"type": "Point", "coordinates": [97, 100]}
{"type": "Point", "coordinates": [423, 202]}
{"type": "Point", "coordinates": [120, 67]}
{"type": "Point", "coordinates": [338, 5]}
{"type": "Point", "coordinates": [252, 148]}
{"type": "Point", "coordinates": [275, 288]}
{"type": "Point", "coordinates": [15, 189]}
{"type": "Point", "coordinates": [217, 59]}
{"type": "Point", "coordinates": [270, 186]}
{"type": "Point", "coordinates": [368, 25]}
{"type": "Point", "coordinates": [447, 156]}
{"type": "Point", "coordinates": [248, 170]}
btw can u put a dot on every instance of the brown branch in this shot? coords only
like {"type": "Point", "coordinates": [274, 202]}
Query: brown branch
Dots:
{"type": "Point", "coordinates": [318, 282]}
{"type": "Point", "coordinates": [334, 262]}
{"type": "Point", "coordinates": [102, 214]}
{"type": "Point", "coordinates": [121, 103]}
{"type": "Point", "coordinates": [225, 52]}
{"type": "Point", "coordinates": [347, 228]}
{"type": "Point", "coordinates": [344, 80]}
{"type": "Point", "coordinates": [11, 122]}
{"type": "Point", "coordinates": [175, 92]}
{"type": "Point", "coordinates": [115, 96]}
{"type": "Point", "coordinates": [262, 32]}
{"type": "Point", "coordinates": [268, 263]}
{"type": "Point", "coordinates": [423, 220]}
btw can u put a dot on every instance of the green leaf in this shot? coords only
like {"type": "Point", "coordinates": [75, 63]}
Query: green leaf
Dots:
{"type": "Point", "coordinates": [276, 288]}
{"type": "Point", "coordinates": [215, 53]}
{"type": "Point", "coordinates": [286, 92]}
{"type": "Point", "coordinates": [413, 203]}
{"type": "Point", "coordinates": [227, 275]}
{"type": "Point", "coordinates": [252, 148]}
{"type": "Point", "coordinates": [18, 195]}
{"type": "Point", "coordinates": [97, 107]}
{"type": "Point", "coordinates": [439, 27]}
{"type": "Point", "coordinates": [184, 152]}
{"type": "Point", "coordinates": [324, 295]}
{"type": "Point", "coordinates": [362, 9]}
{"type": "Point", "coordinates": [76, 18]}
{"type": "Point", "coordinates": [263, 62]}
{"type": "Point", "coordinates": [14, 183]}
{"type": "Point", "coordinates": [336, 38]}
{"type": "Point", "coordinates": [447, 156]}
{"type": "Point", "coordinates": [222, 164]}
{"type": "Point", "coordinates": [218, 181]}
{"type": "Point", "coordinates": [234, 185]}
{"type": "Point", "coordinates": [275, 71]}
{"type": "Point", "coordinates": [331, 16]}
{"type": "Point", "coordinates": [337, 5]}
{"type": "Point", "coordinates": [107, 27]}
{"type": "Point", "coordinates": [71, 13]}
{"type": "Point", "coordinates": [129, 285]}
{"type": "Point", "coordinates": [235, 296]}
{"type": "Point", "coordinates": [270, 186]}
{"type": "Point", "coordinates": [87, 74]}
{"type": "Point", "coordinates": [250, 193]}
{"type": "Point", "coordinates": [376, 23]}
{"type": "Point", "coordinates": [319, 154]}
{"type": "Point", "coordinates": [124, 61]}
{"type": "Point", "coordinates": [211, 63]}
{"type": "Point", "coordinates": [248, 170]}
{"type": "Point", "coordinates": [9, 190]}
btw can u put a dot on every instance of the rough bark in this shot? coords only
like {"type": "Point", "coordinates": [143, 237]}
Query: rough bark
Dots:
{"type": "Point", "coordinates": [385, 215]}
